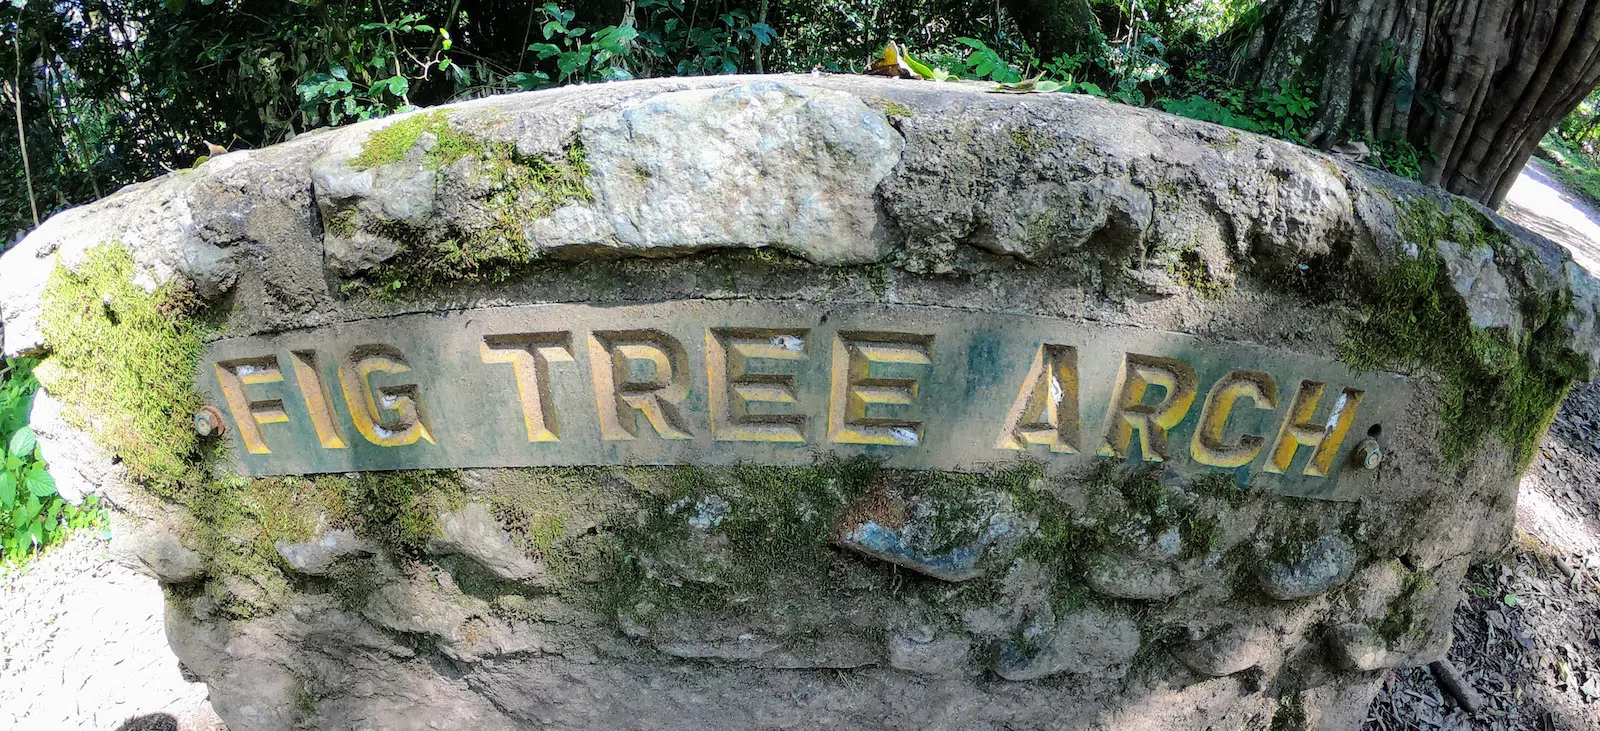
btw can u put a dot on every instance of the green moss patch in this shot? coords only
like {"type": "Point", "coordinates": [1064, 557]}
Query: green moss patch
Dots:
{"type": "Point", "coordinates": [1403, 618]}
{"type": "Point", "coordinates": [1491, 382]}
{"type": "Point", "coordinates": [124, 360]}
{"type": "Point", "coordinates": [520, 188]}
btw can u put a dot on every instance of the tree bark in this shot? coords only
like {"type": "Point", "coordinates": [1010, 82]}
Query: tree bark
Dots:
{"type": "Point", "coordinates": [1474, 84]}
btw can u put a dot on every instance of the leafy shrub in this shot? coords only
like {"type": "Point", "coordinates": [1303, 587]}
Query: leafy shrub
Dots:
{"type": "Point", "coordinates": [32, 515]}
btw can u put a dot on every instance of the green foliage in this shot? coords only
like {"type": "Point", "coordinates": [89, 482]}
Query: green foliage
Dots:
{"type": "Point", "coordinates": [1283, 112]}
{"type": "Point", "coordinates": [1490, 384]}
{"type": "Point", "coordinates": [124, 359]}
{"type": "Point", "coordinates": [32, 515]}
{"type": "Point", "coordinates": [1398, 156]}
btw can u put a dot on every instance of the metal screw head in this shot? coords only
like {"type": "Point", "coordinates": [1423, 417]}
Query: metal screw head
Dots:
{"type": "Point", "coordinates": [208, 422]}
{"type": "Point", "coordinates": [1368, 454]}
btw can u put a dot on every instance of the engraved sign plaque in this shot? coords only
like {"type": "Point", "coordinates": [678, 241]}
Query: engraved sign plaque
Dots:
{"type": "Point", "coordinates": [724, 382]}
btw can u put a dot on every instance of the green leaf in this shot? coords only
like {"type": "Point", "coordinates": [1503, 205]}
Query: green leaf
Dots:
{"type": "Point", "coordinates": [8, 490]}
{"type": "Point", "coordinates": [39, 482]}
{"type": "Point", "coordinates": [23, 442]}
{"type": "Point", "coordinates": [1511, 600]}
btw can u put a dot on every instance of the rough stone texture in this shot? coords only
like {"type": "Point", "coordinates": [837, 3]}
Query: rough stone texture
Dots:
{"type": "Point", "coordinates": [936, 538]}
{"type": "Point", "coordinates": [156, 550]}
{"type": "Point", "coordinates": [1041, 204]}
{"type": "Point", "coordinates": [78, 465]}
{"type": "Point", "coordinates": [1091, 641]}
{"type": "Point", "coordinates": [1316, 568]}
{"type": "Point", "coordinates": [763, 164]}
{"type": "Point", "coordinates": [472, 532]}
{"type": "Point", "coordinates": [1475, 277]}
{"type": "Point", "coordinates": [316, 556]}
{"type": "Point", "coordinates": [1128, 577]}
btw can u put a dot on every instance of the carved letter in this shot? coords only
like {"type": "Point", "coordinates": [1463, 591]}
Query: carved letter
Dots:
{"type": "Point", "coordinates": [318, 403]}
{"type": "Point", "coordinates": [367, 404]}
{"type": "Point", "coordinates": [1046, 409]}
{"type": "Point", "coordinates": [249, 415]}
{"type": "Point", "coordinates": [1299, 429]}
{"type": "Point", "coordinates": [1207, 447]}
{"type": "Point", "coordinates": [643, 370]}
{"type": "Point", "coordinates": [1129, 411]}
{"type": "Point", "coordinates": [530, 356]}
{"type": "Point", "coordinates": [738, 365]}
{"type": "Point", "coordinates": [875, 378]}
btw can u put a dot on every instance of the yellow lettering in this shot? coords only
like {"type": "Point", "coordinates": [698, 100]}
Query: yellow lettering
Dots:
{"type": "Point", "coordinates": [875, 379]}
{"type": "Point", "coordinates": [1129, 411]}
{"type": "Point", "coordinates": [1301, 429]}
{"type": "Point", "coordinates": [1046, 408]}
{"type": "Point", "coordinates": [368, 405]}
{"type": "Point", "coordinates": [250, 415]}
{"type": "Point", "coordinates": [742, 391]}
{"type": "Point", "coordinates": [1208, 447]}
{"type": "Point", "coordinates": [318, 402]}
{"type": "Point", "coordinates": [530, 356]}
{"type": "Point", "coordinates": [638, 370]}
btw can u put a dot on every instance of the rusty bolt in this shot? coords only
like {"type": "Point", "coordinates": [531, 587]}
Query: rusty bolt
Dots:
{"type": "Point", "coordinates": [208, 422]}
{"type": "Point", "coordinates": [1368, 454]}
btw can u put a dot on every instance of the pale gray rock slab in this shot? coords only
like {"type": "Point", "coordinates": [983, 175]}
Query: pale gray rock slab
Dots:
{"type": "Point", "coordinates": [315, 557]}
{"type": "Point", "coordinates": [79, 466]}
{"type": "Point", "coordinates": [474, 533]}
{"type": "Point", "coordinates": [1132, 577]}
{"type": "Point", "coordinates": [762, 164]}
{"type": "Point", "coordinates": [157, 550]}
{"type": "Point", "coordinates": [1474, 276]}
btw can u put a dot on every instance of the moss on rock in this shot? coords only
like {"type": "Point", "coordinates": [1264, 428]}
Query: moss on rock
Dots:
{"type": "Point", "coordinates": [1492, 382]}
{"type": "Point", "coordinates": [519, 189]}
{"type": "Point", "coordinates": [124, 358]}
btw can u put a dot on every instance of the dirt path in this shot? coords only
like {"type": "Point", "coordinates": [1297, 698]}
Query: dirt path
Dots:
{"type": "Point", "coordinates": [83, 647]}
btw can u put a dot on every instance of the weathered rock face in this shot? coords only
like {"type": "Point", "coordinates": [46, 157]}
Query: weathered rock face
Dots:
{"type": "Point", "coordinates": [796, 402]}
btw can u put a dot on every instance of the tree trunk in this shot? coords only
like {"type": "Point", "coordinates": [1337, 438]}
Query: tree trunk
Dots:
{"type": "Point", "coordinates": [1473, 83]}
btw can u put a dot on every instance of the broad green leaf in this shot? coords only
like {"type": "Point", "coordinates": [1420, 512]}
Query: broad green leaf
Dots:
{"type": "Point", "coordinates": [8, 490]}
{"type": "Point", "coordinates": [39, 482]}
{"type": "Point", "coordinates": [1511, 600]}
{"type": "Point", "coordinates": [23, 442]}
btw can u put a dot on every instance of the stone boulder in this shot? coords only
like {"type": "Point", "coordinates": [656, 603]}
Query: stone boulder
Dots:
{"type": "Point", "coordinates": [795, 401]}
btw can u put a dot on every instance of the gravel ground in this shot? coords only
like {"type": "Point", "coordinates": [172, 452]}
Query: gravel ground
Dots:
{"type": "Point", "coordinates": [83, 647]}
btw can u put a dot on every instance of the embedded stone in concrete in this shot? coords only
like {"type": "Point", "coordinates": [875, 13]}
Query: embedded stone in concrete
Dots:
{"type": "Point", "coordinates": [925, 653]}
{"type": "Point", "coordinates": [158, 551]}
{"type": "Point", "coordinates": [1090, 641]}
{"type": "Point", "coordinates": [940, 538]}
{"type": "Point", "coordinates": [1130, 577]}
{"type": "Point", "coordinates": [1233, 649]}
{"type": "Point", "coordinates": [1313, 568]}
